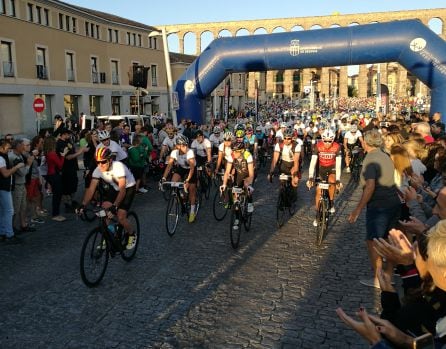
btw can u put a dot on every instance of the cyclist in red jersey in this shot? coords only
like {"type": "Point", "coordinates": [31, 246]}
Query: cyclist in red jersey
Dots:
{"type": "Point", "coordinates": [330, 158]}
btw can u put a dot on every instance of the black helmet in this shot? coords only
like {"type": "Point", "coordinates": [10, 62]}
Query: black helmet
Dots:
{"type": "Point", "coordinates": [238, 146]}
{"type": "Point", "coordinates": [181, 140]}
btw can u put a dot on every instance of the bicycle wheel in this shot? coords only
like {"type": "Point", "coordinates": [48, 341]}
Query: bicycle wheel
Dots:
{"type": "Point", "coordinates": [94, 258]}
{"type": "Point", "coordinates": [218, 206]}
{"type": "Point", "coordinates": [128, 255]}
{"type": "Point", "coordinates": [172, 215]}
{"type": "Point", "coordinates": [247, 217]}
{"type": "Point", "coordinates": [321, 222]}
{"type": "Point", "coordinates": [235, 228]}
{"type": "Point", "coordinates": [280, 210]}
{"type": "Point", "coordinates": [292, 199]}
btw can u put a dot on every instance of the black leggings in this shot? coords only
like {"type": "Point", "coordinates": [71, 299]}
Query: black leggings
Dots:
{"type": "Point", "coordinates": [55, 181]}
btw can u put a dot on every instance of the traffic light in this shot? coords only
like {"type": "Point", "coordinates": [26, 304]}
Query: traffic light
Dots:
{"type": "Point", "coordinates": [138, 76]}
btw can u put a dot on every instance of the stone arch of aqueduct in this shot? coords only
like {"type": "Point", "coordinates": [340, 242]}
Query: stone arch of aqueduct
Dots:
{"type": "Point", "coordinates": [333, 81]}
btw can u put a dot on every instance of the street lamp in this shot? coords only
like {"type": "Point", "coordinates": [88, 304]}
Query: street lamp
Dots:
{"type": "Point", "coordinates": [164, 35]}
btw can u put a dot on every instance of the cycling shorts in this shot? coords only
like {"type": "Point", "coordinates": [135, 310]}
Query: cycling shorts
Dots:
{"type": "Point", "coordinates": [111, 194]}
{"type": "Point", "coordinates": [184, 172]}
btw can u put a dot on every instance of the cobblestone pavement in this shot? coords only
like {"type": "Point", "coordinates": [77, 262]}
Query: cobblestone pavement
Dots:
{"type": "Point", "coordinates": [192, 290]}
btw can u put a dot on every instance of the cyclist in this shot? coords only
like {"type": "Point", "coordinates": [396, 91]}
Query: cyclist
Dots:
{"type": "Point", "coordinates": [183, 160]}
{"type": "Point", "coordinates": [330, 158]}
{"type": "Point", "coordinates": [202, 148]}
{"type": "Point", "coordinates": [168, 144]}
{"type": "Point", "coordinates": [242, 162]}
{"type": "Point", "coordinates": [251, 141]}
{"type": "Point", "coordinates": [280, 132]}
{"type": "Point", "coordinates": [119, 190]}
{"type": "Point", "coordinates": [224, 151]}
{"type": "Point", "coordinates": [288, 153]}
{"type": "Point", "coordinates": [352, 139]}
{"type": "Point", "coordinates": [117, 152]}
{"type": "Point", "coordinates": [216, 138]}
{"type": "Point", "coordinates": [299, 127]}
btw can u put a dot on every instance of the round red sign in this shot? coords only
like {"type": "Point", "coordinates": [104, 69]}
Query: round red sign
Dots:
{"type": "Point", "coordinates": [39, 105]}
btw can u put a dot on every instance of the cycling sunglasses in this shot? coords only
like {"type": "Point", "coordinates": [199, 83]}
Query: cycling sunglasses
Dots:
{"type": "Point", "coordinates": [101, 162]}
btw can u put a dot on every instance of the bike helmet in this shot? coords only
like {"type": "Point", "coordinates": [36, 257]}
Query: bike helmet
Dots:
{"type": "Point", "coordinates": [258, 128]}
{"type": "Point", "coordinates": [181, 140]}
{"type": "Point", "coordinates": [228, 136]}
{"type": "Point", "coordinates": [283, 124]}
{"type": "Point", "coordinates": [199, 133]}
{"type": "Point", "coordinates": [102, 153]}
{"type": "Point", "coordinates": [217, 129]}
{"type": "Point", "coordinates": [240, 133]}
{"type": "Point", "coordinates": [354, 128]}
{"type": "Point", "coordinates": [103, 135]}
{"type": "Point", "coordinates": [328, 135]}
{"type": "Point", "coordinates": [238, 146]}
{"type": "Point", "coordinates": [239, 127]}
{"type": "Point", "coordinates": [288, 133]}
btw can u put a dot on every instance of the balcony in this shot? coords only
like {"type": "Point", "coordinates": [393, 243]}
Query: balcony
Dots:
{"type": "Point", "coordinates": [8, 69]}
{"type": "Point", "coordinates": [42, 73]}
{"type": "Point", "coordinates": [115, 78]}
{"type": "Point", "coordinates": [95, 77]}
{"type": "Point", "coordinates": [70, 75]}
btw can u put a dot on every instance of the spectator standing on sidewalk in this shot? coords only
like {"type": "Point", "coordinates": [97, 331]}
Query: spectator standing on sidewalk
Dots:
{"type": "Point", "coordinates": [33, 184]}
{"type": "Point", "coordinates": [380, 196]}
{"type": "Point", "coordinates": [16, 156]}
{"type": "Point", "coordinates": [55, 162]}
{"type": "Point", "coordinates": [6, 207]}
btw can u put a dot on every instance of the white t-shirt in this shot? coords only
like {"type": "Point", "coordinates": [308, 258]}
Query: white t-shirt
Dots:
{"type": "Point", "coordinates": [279, 134]}
{"type": "Point", "coordinates": [300, 128]}
{"type": "Point", "coordinates": [115, 148]}
{"type": "Point", "coordinates": [182, 160]}
{"type": "Point", "coordinates": [215, 141]}
{"type": "Point", "coordinates": [287, 152]}
{"type": "Point", "coordinates": [352, 138]}
{"type": "Point", "coordinates": [227, 151]}
{"type": "Point", "coordinates": [200, 148]}
{"type": "Point", "coordinates": [117, 170]}
{"type": "Point", "coordinates": [169, 143]}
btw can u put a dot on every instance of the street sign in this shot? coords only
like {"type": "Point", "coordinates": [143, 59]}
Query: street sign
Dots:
{"type": "Point", "coordinates": [39, 105]}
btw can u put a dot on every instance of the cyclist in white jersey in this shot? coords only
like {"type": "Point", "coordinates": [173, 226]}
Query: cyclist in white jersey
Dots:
{"type": "Point", "coordinates": [168, 144]}
{"type": "Point", "coordinates": [202, 148]}
{"type": "Point", "coordinates": [117, 152]}
{"type": "Point", "coordinates": [216, 138]}
{"type": "Point", "coordinates": [118, 197]}
{"type": "Point", "coordinates": [352, 138]}
{"type": "Point", "coordinates": [224, 151]}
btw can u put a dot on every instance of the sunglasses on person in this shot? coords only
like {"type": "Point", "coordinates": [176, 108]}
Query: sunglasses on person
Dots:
{"type": "Point", "coordinates": [288, 138]}
{"type": "Point", "coordinates": [101, 162]}
{"type": "Point", "coordinates": [328, 141]}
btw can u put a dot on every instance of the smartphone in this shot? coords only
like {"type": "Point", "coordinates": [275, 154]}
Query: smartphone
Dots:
{"type": "Point", "coordinates": [426, 341]}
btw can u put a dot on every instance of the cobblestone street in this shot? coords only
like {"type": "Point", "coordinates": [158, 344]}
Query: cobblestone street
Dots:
{"type": "Point", "coordinates": [278, 290]}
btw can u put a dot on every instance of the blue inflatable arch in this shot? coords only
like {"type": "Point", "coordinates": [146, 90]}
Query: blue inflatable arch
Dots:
{"type": "Point", "coordinates": [408, 42]}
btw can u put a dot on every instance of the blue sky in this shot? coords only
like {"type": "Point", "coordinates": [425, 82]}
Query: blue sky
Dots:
{"type": "Point", "coordinates": [196, 11]}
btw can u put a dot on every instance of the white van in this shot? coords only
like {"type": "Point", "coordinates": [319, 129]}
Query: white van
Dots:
{"type": "Point", "coordinates": [88, 120]}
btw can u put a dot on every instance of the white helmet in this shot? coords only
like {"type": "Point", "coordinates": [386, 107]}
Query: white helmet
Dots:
{"type": "Point", "coordinates": [328, 135]}
{"type": "Point", "coordinates": [103, 135]}
{"type": "Point", "coordinates": [217, 129]}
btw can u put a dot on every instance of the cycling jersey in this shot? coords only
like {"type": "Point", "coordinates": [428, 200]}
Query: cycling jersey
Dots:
{"type": "Point", "coordinates": [327, 157]}
{"type": "Point", "coordinates": [352, 138]}
{"type": "Point", "coordinates": [201, 148]}
{"type": "Point", "coordinates": [279, 135]}
{"type": "Point", "coordinates": [117, 170]}
{"type": "Point", "coordinates": [215, 141]}
{"type": "Point", "coordinates": [287, 150]}
{"type": "Point", "coordinates": [182, 160]}
{"type": "Point", "coordinates": [300, 129]}
{"type": "Point", "coordinates": [227, 152]}
{"type": "Point", "coordinates": [169, 143]}
{"type": "Point", "coordinates": [241, 166]}
{"type": "Point", "coordinates": [115, 149]}
{"type": "Point", "coordinates": [260, 138]}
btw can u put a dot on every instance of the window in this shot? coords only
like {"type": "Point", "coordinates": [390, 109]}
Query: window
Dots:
{"type": "Point", "coordinates": [134, 39]}
{"type": "Point", "coordinates": [41, 68]}
{"type": "Point", "coordinates": [92, 30]}
{"type": "Point", "coordinates": [116, 36]}
{"type": "Point", "coordinates": [110, 33]}
{"type": "Point", "coordinates": [6, 58]}
{"type": "Point", "coordinates": [2, 7]}
{"type": "Point", "coordinates": [47, 17]}
{"type": "Point", "coordinates": [94, 70]}
{"type": "Point", "coordinates": [128, 39]}
{"type": "Point", "coordinates": [139, 40]}
{"type": "Point", "coordinates": [116, 105]}
{"type": "Point", "coordinates": [30, 8]}
{"type": "Point", "coordinates": [97, 31]}
{"type": "Point", "coordinates": [69, 64]}
{"type": "Point", "coordinates": [115, 72]}
{"type": "Point", "coordinates": [74, 23]}
{"type": "Point", "coordinates": [67, 22]}
{"type": "Point", "coordinates": [87, 26]}
{"type": "Point", "coordinates": [12, 8]}
{"type": "Point", "coordinates": [154, 43]}
{"type": "Point", "coordinates": [60, 21]}
{"type": "Point", "coordinates": [153, 69]}
{"type": "Point", "coordinates": [39, 14]}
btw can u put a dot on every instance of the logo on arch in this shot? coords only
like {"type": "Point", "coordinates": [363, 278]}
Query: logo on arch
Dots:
{"type": "Point", "coordinates": [417, 44]}
{"type": "Point", "coordinates": [294, 47]}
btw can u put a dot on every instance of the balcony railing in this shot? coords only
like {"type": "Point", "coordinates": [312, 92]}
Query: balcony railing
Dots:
{"type": "Point", "coordinates": [8, 69]}
{"type": "Point", "coordinates": [70, 74]}
{"type": "Point", "coordinates": [115, 78]}
{"type": "Point", "coordinates": [95, 77]}
{"type": "Point", "coordinates": [42, 73]}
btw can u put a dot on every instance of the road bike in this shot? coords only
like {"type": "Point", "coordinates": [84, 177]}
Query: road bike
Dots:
{"type": "Point", "coordinates": [323, 212]}
{"type": "Point", "coordinates": [286, 201]}
{"type": "Point", "coordinates": [239, 215]}
{"type": "Point", "coordinates": [106, 240]}
{"type": "Point", "coordinates": [357, 155]}
{"type": "Point", "coordinates": [178, 205]}
{"type": "Point", "coordinates": [222, 200]}
{"type": "Point", "coordinates": [204, 181]}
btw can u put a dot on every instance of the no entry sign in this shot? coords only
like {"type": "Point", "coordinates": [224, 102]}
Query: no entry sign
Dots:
{"type": "Point", "coordinates": [39, 105]}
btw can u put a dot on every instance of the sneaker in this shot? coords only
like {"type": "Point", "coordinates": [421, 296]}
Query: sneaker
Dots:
{"type": "Point", "coordinates": [58, 218]}
{"type": "Point", "coordinates": [13, 240]}
{"type": "Point", "coordinates": [42, 212]}
{"type": "Point", "coordinates": [370, 282]}
{"type": "Point", "coordinates": [131, 243]}
{"type": "Point", "coordinates": [142, 190]}
{"type": "Point", "coordinates": [315, 223]}
{"type": "Point", "coordinates": [192, 217]}
{"type": "Point", "coordinates": [250, 208]}
{"type": "Point", "coordinates": [347, 169]}
{"type": "Point", "coordinates": [236, 223]}
{"type": "Point", "coordinates": [37, 220]}
{"type": "Point", "coordinates": [332, 209]}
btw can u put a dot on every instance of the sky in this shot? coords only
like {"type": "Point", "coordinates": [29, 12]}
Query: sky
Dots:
{"type": "Point", "coordinates": [198, 11]}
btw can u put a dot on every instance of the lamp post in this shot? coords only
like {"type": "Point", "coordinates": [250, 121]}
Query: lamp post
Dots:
{"type": "Point", "coordinates": [164, 34]}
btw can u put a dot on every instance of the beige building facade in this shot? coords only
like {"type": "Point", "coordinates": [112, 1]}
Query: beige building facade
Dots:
{"type": "Point", "coordinates": [329, 83]}
{"type": "Point", "coordinates": [76, 60]}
